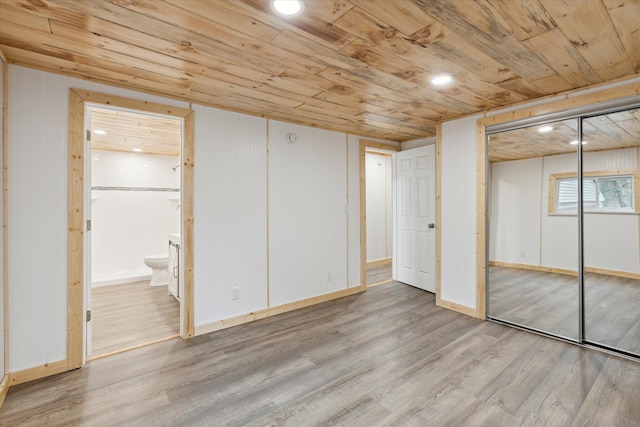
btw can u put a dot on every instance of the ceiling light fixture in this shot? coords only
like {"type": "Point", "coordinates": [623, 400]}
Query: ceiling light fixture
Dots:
{"type": "Point", "coordinates": [441, 80]}
{"type": "Point", "coordinates": [545, 129]}
{"type": "Point", "coordinates": [137, 150]}
{"type": "Point", "coordinates": [100, 132]}
{"type": "Point", "coordinates": [288, 7]}
{"type": "Point", "coordinates": [575, 142]}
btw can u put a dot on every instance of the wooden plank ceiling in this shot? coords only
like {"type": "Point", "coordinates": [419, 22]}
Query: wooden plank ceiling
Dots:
{"type": "Point", "coordinates": [122, 130]}
{"type": "Point", "coordinates": [357, 66]}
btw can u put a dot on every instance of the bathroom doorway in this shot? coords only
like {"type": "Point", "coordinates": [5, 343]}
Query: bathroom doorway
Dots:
{"type": "Point", "coordinates": [132, 203]}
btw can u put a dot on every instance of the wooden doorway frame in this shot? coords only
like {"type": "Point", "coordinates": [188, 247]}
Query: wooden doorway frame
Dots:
{"type": "Point", "coordinates": [75, 234]}
{"type": "Point", "coordinates": [364, 144]}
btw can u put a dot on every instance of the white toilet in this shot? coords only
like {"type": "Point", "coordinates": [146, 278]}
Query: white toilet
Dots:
{"type": "Point", "coordinates": [158, 265]}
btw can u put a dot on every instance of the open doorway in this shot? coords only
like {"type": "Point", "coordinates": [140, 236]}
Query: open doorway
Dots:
{"type": "Point", "coordinates": [379, 197]}
{"type": "Point", "coordinates": [376, 257]}
{"type": "Point", "coordinates": [78, 310]}
{"type": "Point", "coordinates": [133, 203]}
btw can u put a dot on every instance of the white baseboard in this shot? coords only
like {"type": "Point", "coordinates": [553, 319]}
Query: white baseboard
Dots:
{"type": "Point", "coordinates": [120, 280]}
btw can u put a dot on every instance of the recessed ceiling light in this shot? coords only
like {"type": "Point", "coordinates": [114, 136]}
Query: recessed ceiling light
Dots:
{"type": "Point", "coordinates": [442, 79]}
{"type": "Point", "coordinates": [100, 132]}
{"type": "Point", "coordinates": [575, 142]}
{"type": "Point", "coordinates": [288, 7]}
{"type": "Point", "coordinates": [545, 129]}
{"type": "Point", "coordinates": [137, 150]}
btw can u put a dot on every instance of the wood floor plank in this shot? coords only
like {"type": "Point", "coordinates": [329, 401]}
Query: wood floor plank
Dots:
{"type": "Point", "coordinates": [385, 357]}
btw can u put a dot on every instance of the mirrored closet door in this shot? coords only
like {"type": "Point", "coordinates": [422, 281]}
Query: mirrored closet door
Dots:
{"type": "Point", "coordinates": [563, 247]}
{"type": "Point", "coordinates": [533, 228]}
{"type": "Point", "coordinates": [610, 197]}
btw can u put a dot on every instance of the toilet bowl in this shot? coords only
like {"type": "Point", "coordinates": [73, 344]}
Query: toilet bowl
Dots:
{"type": "Point", "coordinates": [158, 265]}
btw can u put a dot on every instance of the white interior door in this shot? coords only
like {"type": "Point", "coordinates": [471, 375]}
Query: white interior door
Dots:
{"type": "Point", "coordinates": [415, 237]}
{"type": "Point", "coordinates": [87, 234]}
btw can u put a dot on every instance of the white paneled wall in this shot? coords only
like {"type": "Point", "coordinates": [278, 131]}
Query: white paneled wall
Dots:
{"type": "Point", "coordinates": [519, 205]}
{"type": "Point", "coordinates": [37, 211]}
{"type": "Point", "coordinates": [379, 206]}
{"type": "Point", "coordinates": [308, 213]}
{"type": "Point", "coordinates": [458, 215]}
{"type": "Point", "coordinates": [515, 198]}
{"type": "Point", "coordinates": [230, 226]}
{"type": "Point", "coordinates": [132, 221]}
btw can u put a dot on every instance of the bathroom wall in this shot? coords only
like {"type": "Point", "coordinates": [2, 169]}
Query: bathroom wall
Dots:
{"type": "Point", "coordinates": [379, 206]}
{"type": "Point", "coordinates": [137, 207]}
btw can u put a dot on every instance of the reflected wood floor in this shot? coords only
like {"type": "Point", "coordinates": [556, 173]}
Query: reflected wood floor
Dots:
{"type": "Point", "coordinates": [131, 314]}
{"type": "Point", "coordinates": [386, 357]}
{"type": "Point", "coordinates": [378, 273]}
{"type": "Point", "coordinates": [549, 302]}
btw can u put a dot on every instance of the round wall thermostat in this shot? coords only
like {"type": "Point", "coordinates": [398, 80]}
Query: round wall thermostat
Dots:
{"type": "Point", "coordinates": [291, 138]}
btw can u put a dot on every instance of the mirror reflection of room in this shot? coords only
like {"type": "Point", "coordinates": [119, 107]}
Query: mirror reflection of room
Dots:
{"type": "Point", "coordinates": [534, 244]}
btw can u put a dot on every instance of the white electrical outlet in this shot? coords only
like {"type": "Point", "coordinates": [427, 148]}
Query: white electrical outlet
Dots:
{"type": "Point", "coordinates": [523, 253]}
{"type": "Point", "coordinates": [235, 293]}
{"type": "Point", "coordinates": [329, 276]}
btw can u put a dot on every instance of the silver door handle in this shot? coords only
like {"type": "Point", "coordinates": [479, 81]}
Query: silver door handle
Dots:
{"type": "Point", "coordinates": [432, 225]}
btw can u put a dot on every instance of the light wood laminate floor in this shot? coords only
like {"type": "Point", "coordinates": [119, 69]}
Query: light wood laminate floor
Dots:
{"type": "Point", "coordinates": [386, 357]}
{"type": "Point", "coordinates": [378, 273]}
{"type": "Point", "coordinates": [549, 302]}
{"type": "Point", "coordinates": [131, 314]}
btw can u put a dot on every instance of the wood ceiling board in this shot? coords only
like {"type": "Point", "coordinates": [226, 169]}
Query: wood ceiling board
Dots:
{"type": "Point", "coordinates": [526, 19]}
{"type": "Point", "coordinates": [485, 29]}
{"type": "Point", "coordinates": [453, 47]}
{"type": "Point", "coordinates": [588, 27]}
{"type": "Point", "coordinates": [126, 130]}
{"type": "Point", "coordinates": [315, 23]}
{"type": "Point", "coordinates": [624, 16]}
{"type": "Point", "coordinates": [355, 58]}
{"type": "Point", "coordinates": [565, 59]}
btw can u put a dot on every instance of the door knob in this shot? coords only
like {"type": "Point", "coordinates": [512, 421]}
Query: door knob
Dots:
{"type": "Point", "coordinates": [432, 225]}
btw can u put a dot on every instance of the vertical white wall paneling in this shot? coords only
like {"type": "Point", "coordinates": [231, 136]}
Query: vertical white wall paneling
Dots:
{"type": "Point", "coordinates": [37, 211]}
{"type": "Point", "coordinates": [127, 224]}
{"type": "Point", "coordinates": [379, 206]}
{"type": "Point", "coordinates": [458, 204]}
{"type": "Point", "coordinates": [514, 234]}
{"type": "Point", "coordinates": [308, 213]}
{"type": "Point", "coordinates": [353, 152]}
{"type": "Point", "coordinates": [230, 229]}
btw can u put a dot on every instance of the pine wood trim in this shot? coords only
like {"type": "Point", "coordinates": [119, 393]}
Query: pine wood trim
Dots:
{"type": "Point", "coordinates": [481, 221]}
{"type": "Point", "coordinates": [187, 206]}
{"type": "Point", "coordinates": [46, 370]}
{"type": "Point", "coordinates": [75, 250]}
{"type": "Point", "coordinates": [379, 262]}
{"type": "Point", "coordinates": [75, 234]}
{"type": "Point", "coordinates": [469, 311]}
{"type": "Point", "coordinates": [273, 311]}
{"type": "Point", "coordinates": [5, 211]}
{"type": "Point", "coordinates": [597, 270]}
{"type": "Point", "coordinates": [364, 144]}
{"type": "Point", "coordinates": [4, 387]}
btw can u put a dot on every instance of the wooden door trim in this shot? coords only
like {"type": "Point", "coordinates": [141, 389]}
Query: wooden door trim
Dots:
{"type": "Point", "coordinates": [364, 144]}
{"type": "Point", "coordinates": [75, 235]}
